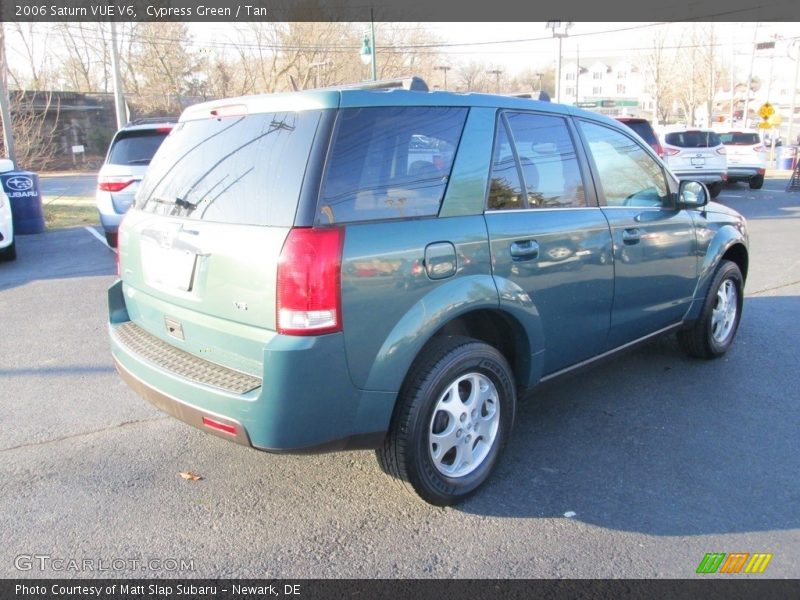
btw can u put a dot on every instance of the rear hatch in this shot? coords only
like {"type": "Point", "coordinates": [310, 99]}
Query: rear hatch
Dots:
{"type": "Point", "coordinates": [694, 150]}
{"type": "Point", "coordinates": [744, 149]}
{"type": "Point", "coordinates": [199, 252]}
{"type": "Point", "coordinates": [130, 152]}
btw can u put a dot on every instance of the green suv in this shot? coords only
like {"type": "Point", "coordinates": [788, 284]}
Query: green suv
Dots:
{"type": "Point", "coordinates": [393, 268]}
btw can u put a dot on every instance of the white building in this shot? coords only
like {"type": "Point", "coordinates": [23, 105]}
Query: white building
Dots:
{"type": "Point", "coordinates": [611, 85]}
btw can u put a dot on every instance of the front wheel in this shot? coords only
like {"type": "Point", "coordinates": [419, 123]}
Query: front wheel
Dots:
{"type": "Point", "coordinates": [713, 333]}
{"type": "Point", "coordinates": [453, 419]}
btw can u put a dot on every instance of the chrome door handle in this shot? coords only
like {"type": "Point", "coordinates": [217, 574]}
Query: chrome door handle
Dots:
{"type": "Point", "coordinates": [631, 236]}
{"type": "Point", "coordinates": [524, 250]}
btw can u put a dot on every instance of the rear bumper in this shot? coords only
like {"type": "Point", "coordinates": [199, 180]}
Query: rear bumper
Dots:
{"type": "Point", "coordinates": [744, 172]}
{"type": "Point", "coordinates": [702, 176]}
{"type": "Point", "coordinates": [305, 403]}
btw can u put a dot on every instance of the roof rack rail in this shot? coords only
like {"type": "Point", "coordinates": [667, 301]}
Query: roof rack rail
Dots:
{"type": "Point", "coordinates": [147, 120]}
{"type": "Point", "coordinates": [414, 84]}
{"type": "Point", "coordinates": [540, 95]}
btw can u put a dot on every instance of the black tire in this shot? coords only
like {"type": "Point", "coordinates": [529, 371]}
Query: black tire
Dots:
{"type": "Point", "coordinates": [407, 452]}
{"type": "Point", "coordinates": [10, 252]}
{"type": "Point", "coordinates": [715, 188]}
{"type": "Point", "coordinates": [756, 182]}
{"type": "Point", "coordinates": [701, 340]}
{"type": "Point", "coordinates": [111, 238]}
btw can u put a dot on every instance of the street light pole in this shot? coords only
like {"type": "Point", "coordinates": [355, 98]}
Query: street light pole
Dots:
{"type": "Point", "coordinates": [368, 50]}
{"type": "Point", "coordinates": [496, 73]}
{"type": "Point", "coordinates": [556, 26]}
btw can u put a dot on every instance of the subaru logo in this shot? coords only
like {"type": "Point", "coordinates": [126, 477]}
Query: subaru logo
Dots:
{"type": "Point", "coordinates": [19, 183]}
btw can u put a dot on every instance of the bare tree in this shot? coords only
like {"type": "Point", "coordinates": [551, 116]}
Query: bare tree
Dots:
{"type": "Point", "coordinates": [35, 139]}
{"type": "Point", "coordinates": [161, 64]}
{"type": "Point", "coordinates": [471, 77]}
{"type": "Point", "coordinates": [659, 74]}
{"type": "Point", "coordinates": [32, 41]}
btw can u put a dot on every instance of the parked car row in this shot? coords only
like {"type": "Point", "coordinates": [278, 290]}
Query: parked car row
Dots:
{"type": "Point", "coordinates": [707, 155]}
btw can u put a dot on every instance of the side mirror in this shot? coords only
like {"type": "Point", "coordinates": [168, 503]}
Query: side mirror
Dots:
{"type": "Point", "coordinates": [692, 194]}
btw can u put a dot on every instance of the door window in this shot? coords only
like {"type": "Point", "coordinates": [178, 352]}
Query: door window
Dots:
{"type": "Point", "coordinates": [628, 175]}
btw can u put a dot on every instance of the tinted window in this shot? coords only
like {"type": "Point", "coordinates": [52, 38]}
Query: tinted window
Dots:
{"type": "Point", "coordinates": [693, 139]}
{"type": "Point", "coordinates": [740, 139]}
{"type": "Point", "coordinates": [505, 189]}
{"type": "Point", "coordinates": [644, 130]}
{"type": "Point", "coordinates": [389, 163]}
{"type": "Point", "coordinates": [629, 176]}
{"type": "Point", "coordinates": [135, 147]}
{"type": "Point", "coordinates": [238, 169]}
{"type": "Point", "coordinates": [548, 161]}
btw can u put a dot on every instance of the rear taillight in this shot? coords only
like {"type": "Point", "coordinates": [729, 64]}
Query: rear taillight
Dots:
{"type": "Point", "coordinates": [671, 151]}
{"type": "Point", "coordinates": [309, 281]}
{"type": "Point", "coordinates": [659, 150]}
{"type": "Point", "coordinates": [113, 183]}
{"type": "Point", "coordinates": [721, 151]}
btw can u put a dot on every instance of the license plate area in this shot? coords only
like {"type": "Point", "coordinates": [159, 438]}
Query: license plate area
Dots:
{"type": "Point", "coordinates": [168, 268]}
{"type": "Point", "coordinates": [699, 161]}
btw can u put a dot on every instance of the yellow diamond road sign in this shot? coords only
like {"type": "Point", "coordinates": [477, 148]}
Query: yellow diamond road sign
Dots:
{"type": "Point", "coordinates": [766, 110]}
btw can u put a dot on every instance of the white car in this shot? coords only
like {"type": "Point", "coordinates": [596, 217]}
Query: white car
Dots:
{"type": "Point", "coordinates": [8, 248]}
{"type": "Point", "coordinates": [697, 155]}
{"type": "Point", "coordinates": [747, 157]}
{"type": "Point", "coordinates": [128, 155]}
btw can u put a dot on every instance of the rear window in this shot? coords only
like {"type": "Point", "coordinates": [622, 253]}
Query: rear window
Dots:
{"type": "Point", "coordinates": [736, 138]}
{"type": "Point", "coordinates": [239, 169]}
{"type": "Point", "coordinates": [135, 147]}
{"type": "Point", "coordinates": [693, 139]}
{"type": "Point", "coordinates": [389, 163]}
{"type": "Point", "coordinates": [644, 130]}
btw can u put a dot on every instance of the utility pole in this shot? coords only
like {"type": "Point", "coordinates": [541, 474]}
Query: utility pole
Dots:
{"type": "Point", "coordinates": [749, 79]}
{"type": "Point", "coordinates": [5, 113]}
{"type": "Point", "coordinates": [119, 99]}
{"type": "Point", "coordinates": [794, 95]}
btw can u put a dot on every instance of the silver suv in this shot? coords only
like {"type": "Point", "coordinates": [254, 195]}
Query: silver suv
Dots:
{"type": "Point", "coordinates": [130, 152]}
{"type": "Point", "coordinates": [697, 155]}
{"type": "Point", "coordinates": [747, 157]}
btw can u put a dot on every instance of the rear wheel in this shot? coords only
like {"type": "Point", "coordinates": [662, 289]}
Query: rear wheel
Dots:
{"type": "Point", "coordinates": [111, 238]}
{"type": "Point", "coordinates": [453, 419]}
{"type": "Point", "coordinates": [713, 333]}
{"type": "Point", "coordinates": [756, 182]}
{"type": "Point", "coordinates": [715, 188]}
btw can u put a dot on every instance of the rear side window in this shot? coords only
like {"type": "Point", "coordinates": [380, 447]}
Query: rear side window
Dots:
{"type": "Point", "coordinates": [239, 169]}
{"type": "Point", "coordinates": [740, 139]}
{"type": "Point", "coordinates": [389, 163]}
{"type": "Point", "coordinates": [693, 139]}
{"type": "Point", "coordinates": [135, 147]}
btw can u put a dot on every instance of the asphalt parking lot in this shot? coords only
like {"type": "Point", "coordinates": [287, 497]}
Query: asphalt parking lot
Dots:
{"type": "Point", "coordinates": [660, 458]}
